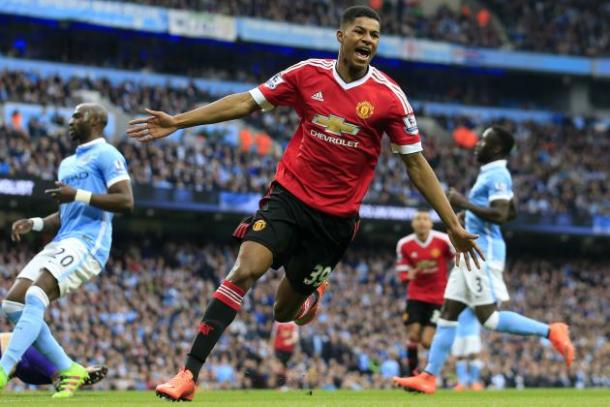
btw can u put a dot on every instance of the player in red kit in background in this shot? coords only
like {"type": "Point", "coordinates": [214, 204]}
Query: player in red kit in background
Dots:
{"type": "Point", "coordinates": [285, 336]}
{"type": "Point", "coordinates": [309, 215]}
{"type": "Point", "coordinates": [422, 262]}
{"type": "Point", "coordinates": [284, 339]}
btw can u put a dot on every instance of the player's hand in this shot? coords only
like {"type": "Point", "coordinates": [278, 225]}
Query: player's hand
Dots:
{"type": "Point", "coordinates": [20, 227]}
{"type": "Point", "coordinates": [153, 127]}
{"type": "Point", "coordinates": [465, 245]}
{"type": "Point", "coordinates": [62, 194]}
{"type": "Point", "coordinates": [456, 199]}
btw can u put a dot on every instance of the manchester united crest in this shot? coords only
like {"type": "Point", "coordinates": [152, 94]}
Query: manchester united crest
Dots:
{"type": "Point", "coordinates": [435, 252]}
{"type": "Point", "coordinates": [364, 109]}
{"type": "Point", "coordinates": [259, 225]}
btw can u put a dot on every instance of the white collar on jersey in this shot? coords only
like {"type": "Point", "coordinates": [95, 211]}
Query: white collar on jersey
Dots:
{"type": "Point", "coordinates": [353, 84]}
{"type": "Point", "coordinates": [493, 164]}
{"type": "Point", "coordinates": [98, 140]}
{"type": "Point", "coordinates": [428, 239]}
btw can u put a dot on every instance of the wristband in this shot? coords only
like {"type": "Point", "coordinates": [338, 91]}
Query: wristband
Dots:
{"type": "Point", "coordinates": [37, 224]}
{"type": "Point", "coordinates": [83, 196]}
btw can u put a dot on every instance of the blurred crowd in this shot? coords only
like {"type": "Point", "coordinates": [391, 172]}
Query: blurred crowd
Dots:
{"type": "Point", "coordinates": [566, 27]}
{"type": "Point", "coordinates": [558, 168]}
{"type": "Point", "coordinates": [140, 315]}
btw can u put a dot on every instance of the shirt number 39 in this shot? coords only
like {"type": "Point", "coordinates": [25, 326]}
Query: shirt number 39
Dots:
{"type": "Point", "coordinates": [318, 275]}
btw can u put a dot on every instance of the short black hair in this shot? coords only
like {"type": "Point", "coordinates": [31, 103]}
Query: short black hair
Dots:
{"type": "Point", "coordinates": [352, 13]}
{"type": "Point", "coordinates": [505, 138]}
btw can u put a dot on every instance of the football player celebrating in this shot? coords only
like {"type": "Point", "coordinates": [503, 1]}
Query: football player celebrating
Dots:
{"type": "Point", "coordinates": [310, 213]}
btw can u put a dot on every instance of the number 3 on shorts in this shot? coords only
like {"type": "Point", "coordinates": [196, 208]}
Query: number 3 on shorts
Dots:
{"type": "Point", "coordinates": [318, 275]}
{"type": "Point", "coordinates": [479, 285]}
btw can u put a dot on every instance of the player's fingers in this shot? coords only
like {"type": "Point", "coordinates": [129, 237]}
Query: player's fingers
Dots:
{"type": "Point", "coordinates": [475, 259]}
{"type": "Point", "coordinates": [458, 256]}
{"type": "Point", "coordinates": [137, 129]}
{"type": "Point", "coordinates": [146, 139]}
{"type": "Point", "coordinates": [140, 120]}
{"type": "Point", "coordinates": [139, 133]}
{"type": "Point", "coordinates": [154, 112]}
{"type": "Point", "coordinates": [467, 260]}
{"type": "Point", "coordinates": [479, 251]}
{"type": "Point", "coordinates": [471, 236]}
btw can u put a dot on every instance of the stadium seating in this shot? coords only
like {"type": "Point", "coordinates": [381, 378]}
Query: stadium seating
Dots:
{"type": "Point", "coordinates": [497, 24]}
{"type": "Point", "coordinates": [551, 175]}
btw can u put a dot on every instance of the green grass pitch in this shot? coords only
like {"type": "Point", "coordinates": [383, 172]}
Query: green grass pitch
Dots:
{"type": "Point", "coordinates": [318, 398]}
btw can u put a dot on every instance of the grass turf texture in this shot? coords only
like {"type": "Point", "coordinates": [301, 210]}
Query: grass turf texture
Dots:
{"type": "Point", "coordinates": [318, 398]}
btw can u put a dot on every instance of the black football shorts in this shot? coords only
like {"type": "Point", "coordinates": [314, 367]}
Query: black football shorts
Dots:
{"type": "Point", "coordinates": [307, 242]}
{"type": "Point", "coordinates": [423, 313]}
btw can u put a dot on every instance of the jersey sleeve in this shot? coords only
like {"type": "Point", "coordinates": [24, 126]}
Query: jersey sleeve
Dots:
{"type": "Point", "coordinates": [403, 263]}
{"type": "Point", "coordinates": [113, 167]}
{"type": "Point", "coordinates": [500, 187]}
{"type": "Point", "coordinates": [402, 126]}
{"type": "Point", "coordinates": [280, 90]}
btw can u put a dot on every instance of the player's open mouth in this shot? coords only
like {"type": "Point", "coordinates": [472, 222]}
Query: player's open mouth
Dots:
{"type": "Point", "coordinates": [362, 53]}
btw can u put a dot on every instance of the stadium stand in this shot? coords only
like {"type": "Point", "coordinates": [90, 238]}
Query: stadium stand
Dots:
{"type": "Point", "coordinates": [550, 172]}
{"type": "Point", "coordinates": [543, 26]}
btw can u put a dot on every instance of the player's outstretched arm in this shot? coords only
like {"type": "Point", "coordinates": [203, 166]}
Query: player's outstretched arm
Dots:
{"type": "Point", "coordinates": [23, 226]}
{"type": "Point", "coordinates": [499, 211]}
{"type": "Point", "coordinates": [160, 124]}
{"type": "Point", "coordinates": [119, 198]}
{"type": "Point", "coordinates": [424, 179]}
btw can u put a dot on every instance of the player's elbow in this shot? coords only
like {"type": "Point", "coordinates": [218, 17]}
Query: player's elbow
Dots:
{"type": "Point", "coordinates": [127, 205]}
{"type": "Point", "coordinates": [502, 217]}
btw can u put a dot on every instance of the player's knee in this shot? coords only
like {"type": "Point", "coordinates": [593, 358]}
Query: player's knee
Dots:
{"type": "Point", "coordinates": [245, 275]}
{"type": "Point", "coordinates": [10, 308]}
{"type": "Point", "coordinates": [282, 314]}
{"type": "Point", "coordinates": [36, 294]}
{"type": "Point", "coordinates": [491, 322]}
{"type": "Point", "coordinates": [426, 342]}
{"type": "Point", "coordinates": [449, 314]}
{"type": "Point", "coordinates": [414, 338]}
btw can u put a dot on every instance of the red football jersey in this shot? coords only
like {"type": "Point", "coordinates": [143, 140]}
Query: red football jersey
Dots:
{"type": "Point", "coordinates": [284, 336]}
{"type": "Point", "coordinates": [330, 160]}
{"type": "Point", "coordinates": [432, 258]}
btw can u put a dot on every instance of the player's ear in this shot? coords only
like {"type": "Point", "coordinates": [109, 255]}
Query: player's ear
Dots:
{"type": "Point", "coordinates": [340, 36]}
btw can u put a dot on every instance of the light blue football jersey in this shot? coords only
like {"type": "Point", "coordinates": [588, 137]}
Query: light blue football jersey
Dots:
{"type": "Point", "coordinates": [94, 167]}
{"type": "Point", "coordinates": [494, 182]}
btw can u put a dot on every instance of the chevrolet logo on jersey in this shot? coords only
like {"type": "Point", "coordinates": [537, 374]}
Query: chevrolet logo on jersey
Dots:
{"type": "Point", "coordinates": [335, 125]}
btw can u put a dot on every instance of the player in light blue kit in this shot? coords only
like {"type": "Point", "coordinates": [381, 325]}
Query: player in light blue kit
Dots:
{"type": "Point", "coordinates": [93, 183]}
{"type": "Point", "coordinates": [489, 205]}
{"type": "Point", "coordinates": [466, 349]}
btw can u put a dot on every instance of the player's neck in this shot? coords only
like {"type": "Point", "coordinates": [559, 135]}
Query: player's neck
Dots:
{"type": "Point", "coordinates": [491, 160]}
{"type": "Point", "coordinates": [349, 73]}
{"type": "Point", "coordinates": [422, 237]}
{"type": "Point", "coordinates": [89, 139]}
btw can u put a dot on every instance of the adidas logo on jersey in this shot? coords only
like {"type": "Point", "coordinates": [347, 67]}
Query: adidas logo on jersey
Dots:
{"type": "Point", "coordinates": [318, 96]}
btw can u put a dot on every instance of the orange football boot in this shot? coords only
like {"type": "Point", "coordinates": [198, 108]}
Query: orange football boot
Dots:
{"type": "Point", "coordinates": [180, 388]}
{"type": "Point", "coordinates": [311, 314]}
{"type": "Point", "coordinates": [423, 383]}
{"type": "Point", "coordinates": [459, 388]}
{"type": "Point", "coordinates": [559, 335]}
{"type": "Point", "coordinates": [477, 386]}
